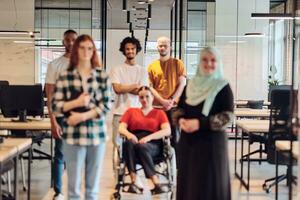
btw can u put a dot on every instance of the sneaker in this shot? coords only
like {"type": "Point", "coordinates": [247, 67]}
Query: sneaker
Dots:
{"type": "Point", "coordinates": [58, 197]}
{"type": "Point", "coordinates": [159, 189]}
{"type": "Point", "coordinates": [138, 182]}
{"type": "Point", "coordinates": [135, 189]}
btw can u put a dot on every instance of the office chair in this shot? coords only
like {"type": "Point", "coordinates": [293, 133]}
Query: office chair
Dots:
{"type": "Point", "coordinates": [279, 129]}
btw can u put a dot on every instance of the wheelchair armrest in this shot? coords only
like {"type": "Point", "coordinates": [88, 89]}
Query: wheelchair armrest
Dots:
{"type": "Point", "coordinates": [167, 140]}
{"type": "Point", "coordinates": [123, 138]}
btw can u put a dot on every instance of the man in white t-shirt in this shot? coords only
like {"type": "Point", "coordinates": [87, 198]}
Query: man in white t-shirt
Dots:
{"type": "Point", "coordinates": [126, 79]}
{"type": "Point", "coordinates": [54, 69]}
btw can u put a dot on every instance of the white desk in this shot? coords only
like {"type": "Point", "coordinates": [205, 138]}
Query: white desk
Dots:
{"type": "Point", "coordinates": [253, 126]}
{"type": "Point", "coordinates": [249, 127]}
{"type": "Point", "coordinates": [285, 146]}
{"type": "Point", "coordinates": [248, 112]}
{"type": "Point", "coordinates": [243, 103]}
{"type": "Point", "coordinates": [12, 148]}
{"type": "Point", "coordinates": [42, 124]}
{"type": "Point", "coordinates": [34, 125]}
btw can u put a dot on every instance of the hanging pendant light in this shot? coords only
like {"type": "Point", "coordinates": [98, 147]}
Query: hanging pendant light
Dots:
{"type": "Point", "coordinates": [149, 11]}
{"type": "Point", "coordinates": [124, 5]}
{"type": "Point", "coordinates": [254, 34]}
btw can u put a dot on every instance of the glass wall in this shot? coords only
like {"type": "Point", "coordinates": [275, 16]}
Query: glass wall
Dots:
{"type": "Point", "coordinates": [53, 18]}
{"type": "Point", "coordinates": [196, 32]}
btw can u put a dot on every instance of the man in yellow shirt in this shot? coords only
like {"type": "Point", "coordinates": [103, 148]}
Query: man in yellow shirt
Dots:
{"type": "Point", "coordinates": [167, 78]}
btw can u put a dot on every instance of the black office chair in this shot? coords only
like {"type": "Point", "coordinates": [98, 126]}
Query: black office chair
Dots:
{"type": "Point", "coordinates": [279, 129]}
{"type": "Point", "coordinates": [3, 83]}
{"type": "Point", "coordinates": [277, 87]}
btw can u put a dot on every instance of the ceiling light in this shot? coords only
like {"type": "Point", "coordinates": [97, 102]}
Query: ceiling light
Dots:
{"type": "Point", "coordinates": [124, 5]}
{"type": "Point", "coordinates": [18, 32]}
{"type": "Point", "coordinates": [130, 27]}
{"type": "Point", "coordinates": [253, 34]}
{"type": "Point", "coordinates": [271, 16]}
{"type": "Point", "coordinates": [237, 41]}
{"type": "Point", "coordinates": [149, 11]}
{"type": "Point", "coordinates": [128, 16]}
{"type": "Point", "coordinates": [141, 2]}
{"type": "Point", "coordinates": [24, 42]}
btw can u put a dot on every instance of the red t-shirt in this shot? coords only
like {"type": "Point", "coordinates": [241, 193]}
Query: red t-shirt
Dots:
{"type": "Point", "coordinates": [136, 120]}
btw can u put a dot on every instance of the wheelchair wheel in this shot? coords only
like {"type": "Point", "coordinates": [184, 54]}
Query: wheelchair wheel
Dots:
{"type": "Point", "coordinates": [171, 194]}
{"type": "Point", "coordinates": [172, 168]}
{"type": "Point", "coordinates": [116, 161]}
{"type": "Point", "coordinates": [116, 196]}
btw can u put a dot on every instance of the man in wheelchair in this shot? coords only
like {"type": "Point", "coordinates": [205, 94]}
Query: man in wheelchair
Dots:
{"type": "Point", "coordinates": [144, 128]}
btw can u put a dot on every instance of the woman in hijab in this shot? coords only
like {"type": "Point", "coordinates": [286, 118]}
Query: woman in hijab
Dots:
{"type": "Point", "coordinates": [205, 110]}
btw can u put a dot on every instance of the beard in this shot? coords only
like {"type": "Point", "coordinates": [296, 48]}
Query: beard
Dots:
{"type": "Point", "coordinates": [130, 57]}
{"type": "Point", "coordinates": [68, 49]}
{"type": "Point", "coordinates": [163, 54]}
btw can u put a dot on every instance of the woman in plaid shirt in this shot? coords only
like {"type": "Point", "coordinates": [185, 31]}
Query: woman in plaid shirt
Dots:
{"type": "Point", "coordinates": [82, 95]}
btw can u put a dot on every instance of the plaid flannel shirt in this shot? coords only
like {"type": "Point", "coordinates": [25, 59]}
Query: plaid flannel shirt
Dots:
{"type": "Point", "coordinates": [92, 131]}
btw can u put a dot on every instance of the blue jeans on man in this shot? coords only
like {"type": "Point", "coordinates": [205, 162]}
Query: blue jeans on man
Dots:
{"type": "Point", "coordinates": [59, 163]}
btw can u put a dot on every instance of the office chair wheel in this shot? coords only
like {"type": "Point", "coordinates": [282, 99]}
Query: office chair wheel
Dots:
{"type": "Point", "coordinates": [116, 196]}
{"type": "Point", "coordinates": [266, 188]}
{"type": "Point", "coordinates": [171, 195]}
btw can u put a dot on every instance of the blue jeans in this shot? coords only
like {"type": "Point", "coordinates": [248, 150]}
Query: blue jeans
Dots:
{"type": "Point", "coordinates": [88, 158]}
{"type": "Point", "coordinates": [58, 166]}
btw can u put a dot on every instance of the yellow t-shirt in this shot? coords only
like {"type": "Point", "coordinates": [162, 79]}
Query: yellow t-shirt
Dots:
{"type": "Point", "coordinates": [164, 76]}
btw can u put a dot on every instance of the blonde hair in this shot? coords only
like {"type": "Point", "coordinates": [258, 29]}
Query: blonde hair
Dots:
{"type": "Point", "coordinates": [163, 39]}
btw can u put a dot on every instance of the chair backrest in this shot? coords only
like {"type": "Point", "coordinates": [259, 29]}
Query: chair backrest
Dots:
{"type": "Point", "coordinates": [3, 83]}
{"type": "Point", "coordinates": [280, 126]}
{"type": "Point", "coordinates": [277, 87]}
{"type": "Point", "coordinates": [255, 104]}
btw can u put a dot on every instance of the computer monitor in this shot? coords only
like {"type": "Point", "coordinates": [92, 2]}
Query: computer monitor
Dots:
{"type": "Point", "coordinates": [3, 83]}
{"type": "Point", "coordinates": [22, 101]}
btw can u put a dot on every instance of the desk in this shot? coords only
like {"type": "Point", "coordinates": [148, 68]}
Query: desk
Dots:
{"type": "Point", "coordinates": [282, 145]}
{"type": "Point", "coordinates": [13, 148]}
{"type": "Point", "coordinates": [285, 146]}
{"type": "Point", "coordinates": [243, 103]}
{"type": "Point", "coordinates": [247, 126]}
{"type": "Point", "coordinates": [248, 112]}
{"type": "Point", "coordinates": [31, 125]}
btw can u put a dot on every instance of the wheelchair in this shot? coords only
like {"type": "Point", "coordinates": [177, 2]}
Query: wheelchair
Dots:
{"type": "Point", "coordinates": [166, 163]}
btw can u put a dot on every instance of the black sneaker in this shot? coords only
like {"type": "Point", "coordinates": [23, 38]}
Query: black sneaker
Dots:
{"type": "Point", "coordinates": [133, 188]}
{"type": "Point", "coordinates": [159, 189]}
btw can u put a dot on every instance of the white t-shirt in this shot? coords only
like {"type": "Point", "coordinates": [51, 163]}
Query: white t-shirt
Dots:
{"type": "Point", "coordinates": [55, 67]}
{"type": "Point", "coordinates": [127, 74]}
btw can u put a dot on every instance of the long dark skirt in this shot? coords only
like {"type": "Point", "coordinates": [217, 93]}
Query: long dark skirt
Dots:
{"type": "Point", "coordinates": [203, 170]}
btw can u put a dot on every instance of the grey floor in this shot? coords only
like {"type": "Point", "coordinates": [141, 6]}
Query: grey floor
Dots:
{"type": "Point", "coordinates": [41, 180]}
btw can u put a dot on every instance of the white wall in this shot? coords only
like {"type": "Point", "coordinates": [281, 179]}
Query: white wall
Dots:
{"type": "Point", "coordinates": [17, 60]}
{"type": "Point", "coordinates": [19, 18]}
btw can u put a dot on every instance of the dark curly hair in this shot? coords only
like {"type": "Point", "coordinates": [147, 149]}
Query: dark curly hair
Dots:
{"type": "Point", "coordinates": [131, 40]}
